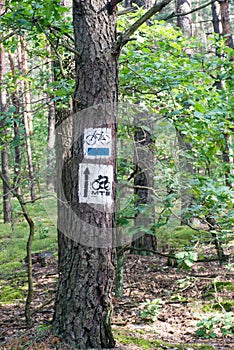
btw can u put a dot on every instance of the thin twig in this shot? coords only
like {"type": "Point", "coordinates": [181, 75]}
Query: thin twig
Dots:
{"type": "Point", "coordinates": [178, 14]}
{"type": "Point", "coordinates": [38, 198]}
{"type": "Point", "coordinates": [8, 36]}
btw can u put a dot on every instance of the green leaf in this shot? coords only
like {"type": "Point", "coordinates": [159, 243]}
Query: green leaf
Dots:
{"type": "Point", "coordinates": [199, 107]}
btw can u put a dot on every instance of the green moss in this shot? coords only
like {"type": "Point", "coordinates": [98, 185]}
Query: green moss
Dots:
{"type": "Point", "coordinates": [13, 246]}
{"type": "Point", "coordinates": [179, 237]}
{"type": "Point", "coordinates": [5, 231]}
{"type": "Point", "coordinates": [9, 294]}
{"type": "Point", "coordinates": [123, 337]}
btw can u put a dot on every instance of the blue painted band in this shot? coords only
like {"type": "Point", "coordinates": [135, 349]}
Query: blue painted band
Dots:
{"type": "Point", "coordinates": [98, 151]}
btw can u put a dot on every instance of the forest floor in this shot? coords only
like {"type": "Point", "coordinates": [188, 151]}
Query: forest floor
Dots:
{"type": "Point", "coordinates": [177, 299]}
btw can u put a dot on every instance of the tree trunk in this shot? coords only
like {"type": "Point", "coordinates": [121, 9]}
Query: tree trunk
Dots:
{"type": "Point", "coordinates": [51, 133]}
{"type": "Point", "coordinates": [16, 123]}
{"type": "Point", "coordinates": [27, 118]}
{"type": "Point", "coordinates": [6, 192]}
{"type": "Point", "coordinates": [29, 247]}
{"type": "Point", "coordinates": [226, 31]}
{"type": "Point", "coordinates": [215, 8]}
{"type": "Point", "coordinates": [119, 274]}
{"type": "Point", "coordinates": [83, 303]}
{"type": "Point", "coordinates": [27, 97]}
{"type": "Point", "coordinates": [50, 144]}
{"type": "Point", "coordinates": [226, 24]}
{"type": "Point", "coordinates": [143, 183]}
{"type": "Point", "coordinates": [4, 152]}
{"type": "Point", "coordinates": [184, 22]}
{"type": "Point", "coordinates": [227, 34]}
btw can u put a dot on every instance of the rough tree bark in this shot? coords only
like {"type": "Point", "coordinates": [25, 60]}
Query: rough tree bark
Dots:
{"type": "Point", "coordinates": [83, 303]}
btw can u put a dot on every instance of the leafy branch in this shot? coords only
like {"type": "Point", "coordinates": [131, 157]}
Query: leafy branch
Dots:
{"type": "Point", "coordinates": [126, 35]}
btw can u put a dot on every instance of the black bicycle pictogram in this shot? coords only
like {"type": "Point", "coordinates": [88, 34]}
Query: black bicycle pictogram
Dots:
{"type": "Point", "coordinates": [101, 137]}
{"type": "Point", "coordinates": [101, 183]}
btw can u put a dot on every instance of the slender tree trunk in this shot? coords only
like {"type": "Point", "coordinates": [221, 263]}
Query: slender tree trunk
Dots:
{"type": "Point", "coordinates": [119, 274]}
{"type": "Point", "coordinates": [4, 152]}
{"type": "Point", "coordinates": [215, 8]}
{"type": "Point", "coordinates": [226, 24]}
{"type": "Point", "coordinates": [16, 124]}
{"type": "Point", "coordinates": [27, 97]}
{"type": "Point", "coordinates": [27, 117]}
{"type": "Point", "coordinates": [6, 192]}
{"type": "Point", "coordinates": [143, 183]}
{"type": "Point", "coordinates": [51, 133]}
{"type": "Point", "coordinates": [50, 144]}
{"type": "Point", "coordinates": [227, 32]}
{"type": "Point", "coordinates": [29, 248]}
{"type": "Point", "coordinates": [83, 302]}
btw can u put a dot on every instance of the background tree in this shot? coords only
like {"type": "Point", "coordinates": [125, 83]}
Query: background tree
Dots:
{"type": "Point", "coordinates": [4, 121]}
{"type": "Point", "coordinates": [143, 181]}
{"type": "Point", "coordinates": [26, 111]}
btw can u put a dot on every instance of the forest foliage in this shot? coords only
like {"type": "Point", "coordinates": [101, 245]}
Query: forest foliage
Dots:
{"type": "Point", "coordinates": [186, 84]}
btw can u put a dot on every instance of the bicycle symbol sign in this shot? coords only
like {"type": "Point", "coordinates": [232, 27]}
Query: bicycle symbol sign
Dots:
{"type": "Point", "coordinates": [95, 183]}
{"type": "Point", "coordinates": [102, 184]}
{"type": "Point", "coordinates": [97, 142]}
